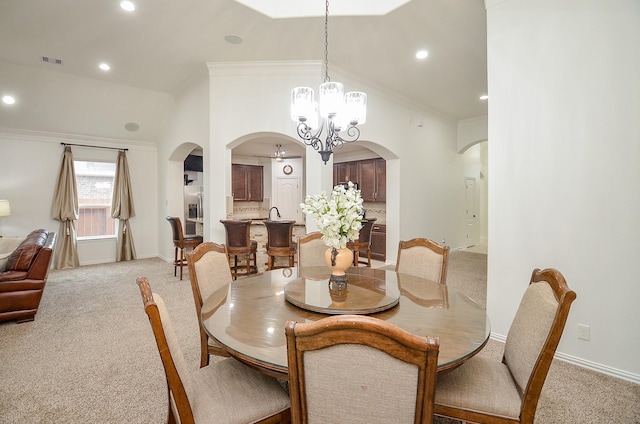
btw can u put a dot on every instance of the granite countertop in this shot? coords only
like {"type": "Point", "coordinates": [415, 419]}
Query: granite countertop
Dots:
{"type": "Point", "coordinates": [259, 221]}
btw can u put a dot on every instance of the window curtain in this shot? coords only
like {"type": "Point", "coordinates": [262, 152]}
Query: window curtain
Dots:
{"type": "Point", "coordinates": [66, 210]}
{"type": "Point", "coordinates": [122, 209]}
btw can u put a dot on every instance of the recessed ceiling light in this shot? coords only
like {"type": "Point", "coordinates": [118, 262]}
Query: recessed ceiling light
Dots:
{"type": "Point", "coordinates": [422, 54]}
{"type": "Point", "coordinates": [131, 126]}
{"type": "Point", "coordinates": [104, 66]}
{"type": "Point", "coordinates": [233, 39]}
{"type": "Point", "coordinates": [9, 100]}
{"type": "Point", "coordinates": [128, 6]}
{"type": "Point", "coordinates": [484, 97]}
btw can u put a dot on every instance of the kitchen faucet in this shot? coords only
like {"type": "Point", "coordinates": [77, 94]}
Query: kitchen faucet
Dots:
{"type": "Point", "coordinates": [277, 212]}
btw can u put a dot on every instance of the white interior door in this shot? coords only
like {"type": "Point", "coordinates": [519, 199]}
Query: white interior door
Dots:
{"type": "Point", "coordinates": [288, 197]}
{"type": "Point", "coordinates": [470, 200]}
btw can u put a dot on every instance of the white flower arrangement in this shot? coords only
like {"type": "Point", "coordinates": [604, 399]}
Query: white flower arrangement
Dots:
{"type": "Point", "coordinates": [338, 216]}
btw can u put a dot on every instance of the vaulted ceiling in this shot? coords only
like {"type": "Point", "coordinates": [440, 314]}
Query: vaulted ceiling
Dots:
{"type": "Point", "coordinates": [164, 43]}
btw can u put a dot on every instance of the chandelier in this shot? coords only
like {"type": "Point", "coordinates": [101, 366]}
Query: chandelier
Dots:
{"type": "Point", "coordinates": [279, 154]}
{"type": "Point", "coordinates": [337, 111]}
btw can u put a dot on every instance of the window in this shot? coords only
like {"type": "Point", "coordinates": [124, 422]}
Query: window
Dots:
{"type": "Point", "coordinates": [95, 191]}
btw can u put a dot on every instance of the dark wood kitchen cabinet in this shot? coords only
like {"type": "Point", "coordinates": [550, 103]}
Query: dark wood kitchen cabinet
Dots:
{"type": "Point", "coordinates": [370, 174]}
{"type": "Point", "coordinates": [247, 183]}
{"type": "Point", "coordinates": [379, 242]}
{"type": "Point", "coordinates": [372, 177]}
{"type": "Point", "coordinates": [344, 172]}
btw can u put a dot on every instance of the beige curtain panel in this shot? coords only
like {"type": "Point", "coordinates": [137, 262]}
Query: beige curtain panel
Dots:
{"type": "Point", "coordinates": [65, 209]}
{"type": "Point", "coordinates": [122, 209]}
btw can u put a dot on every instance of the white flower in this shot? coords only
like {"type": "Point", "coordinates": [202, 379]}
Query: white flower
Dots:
{"type": "Point", "coordinates": [339, 216]}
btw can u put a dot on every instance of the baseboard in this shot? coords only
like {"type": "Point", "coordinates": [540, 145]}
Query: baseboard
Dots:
{"type": "Point", "coordinates": [583, 363]}
{"type": "Point", "coordinates": [594, 366]}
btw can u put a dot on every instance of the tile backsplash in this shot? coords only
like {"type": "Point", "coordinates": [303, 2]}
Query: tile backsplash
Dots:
{"type": "Point", "coordinates": [250, 210]}
{"type": "Point", "coordinates": [376, 210]}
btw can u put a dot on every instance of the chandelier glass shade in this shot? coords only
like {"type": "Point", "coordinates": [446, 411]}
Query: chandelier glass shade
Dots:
{"type": "Point", "coordinates": [340, 113]}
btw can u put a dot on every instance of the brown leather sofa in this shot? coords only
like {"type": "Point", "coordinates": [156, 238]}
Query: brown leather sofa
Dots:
{"type": "Point", "coordinates": [22, 284]}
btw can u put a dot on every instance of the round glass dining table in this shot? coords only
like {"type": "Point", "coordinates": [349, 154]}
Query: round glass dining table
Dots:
{"type": "Point", "coordinates": [247, 317]}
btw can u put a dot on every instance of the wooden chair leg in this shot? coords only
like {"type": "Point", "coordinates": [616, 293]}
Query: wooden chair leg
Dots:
{"type": "Point", "coordinates": [175, 261]}
{"type": "Point", "coordinates": [181, 261]}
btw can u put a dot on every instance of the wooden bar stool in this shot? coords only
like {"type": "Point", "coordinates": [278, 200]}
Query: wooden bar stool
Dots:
{"type": "Point", "coordinates": [363, 244]}
{"type": "Point", "coordinates": [239, 243]}
{"type": "Point", "coordinates": [181, 243]}
{"type": "Point", "coordinates": [280, 241]}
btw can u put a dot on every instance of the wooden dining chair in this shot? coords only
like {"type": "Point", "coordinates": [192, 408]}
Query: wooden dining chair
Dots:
{"type": "Point", "coordinates": [360, 370]}
{"type": "Point", "coordinates": [311, 250]}
{"type": "Point", "coordinates": [485, 391]}
{"type": "Point", "coordinates": [225, 391]}
{"type": "Point", "coordinates": [363, 244]}
{"type": "Point", "coordinates": [208, 271]}
{"type": "Point", "coordinates": [181, 243]}
{"type": "Point", "coordinates": [423, 258]}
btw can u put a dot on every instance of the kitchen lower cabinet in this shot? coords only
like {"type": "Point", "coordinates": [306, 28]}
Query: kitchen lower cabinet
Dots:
{"type": "Point", "coordinates": [379, 242]}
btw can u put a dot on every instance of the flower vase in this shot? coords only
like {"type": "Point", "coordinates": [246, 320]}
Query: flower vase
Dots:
{"type": "Point", "coordinates": [339, 260]}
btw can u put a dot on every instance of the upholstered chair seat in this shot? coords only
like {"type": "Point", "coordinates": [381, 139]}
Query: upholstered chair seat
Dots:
{"type": "Point", "coordinates": [480, 385]}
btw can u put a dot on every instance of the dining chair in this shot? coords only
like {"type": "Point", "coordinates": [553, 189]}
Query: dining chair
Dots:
{"type": "Point", "coordinates": [181, 243]}
{"type": "Point", "coordinates": [239, 243]}
{"type": "Point", "coordinates": [423, 258]}
{"type": "Point", "coordinates": [208, 271]}
{"type": "Point", "coordinates": [486, 391]}
{"type": "Point", "coordinates": [361, 370]}
{"type": "Point", "coordinates": [311, 250]}
{"type": "Point", "coordinates": [280, 242]}
{"type": "Point", "coordinates": [224, 391]}
{"type": "Point", "coordinates": [363, 244]}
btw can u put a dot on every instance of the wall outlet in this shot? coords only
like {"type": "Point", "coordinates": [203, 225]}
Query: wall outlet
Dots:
{"type": "Point", "coordinates": [584, 332]}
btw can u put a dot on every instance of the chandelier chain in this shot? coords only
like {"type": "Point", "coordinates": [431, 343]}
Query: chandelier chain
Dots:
{"type": "Point", "coordinates": [326, 43]}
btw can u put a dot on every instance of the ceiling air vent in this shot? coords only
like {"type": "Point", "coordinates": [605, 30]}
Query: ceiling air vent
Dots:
{"type": "Point", "coordinates": [52, 60]}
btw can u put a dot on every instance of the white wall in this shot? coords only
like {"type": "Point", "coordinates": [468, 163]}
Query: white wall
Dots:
{"type": "Point", "coordinates": [187, 127]}
{"type": "Point", "coordinates": [29, 167]}
{"type": "Point", "coordinates": [425, 172]}
{"type": "Point", "coordinates": [564, 81]}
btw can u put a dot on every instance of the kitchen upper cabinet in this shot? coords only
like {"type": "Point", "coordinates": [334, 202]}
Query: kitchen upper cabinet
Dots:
{"type": "Point", "coordinates": [370, 174]}
{"type": "Point", "coordinates": [372, 177]}
{"type": "Point", "coordinates": [345, 171]}
{"type": "Point", "coordinates": [247, 183]}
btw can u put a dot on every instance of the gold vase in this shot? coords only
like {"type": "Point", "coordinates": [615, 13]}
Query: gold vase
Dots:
{"type": "Point", "coordinates": [339, 260]}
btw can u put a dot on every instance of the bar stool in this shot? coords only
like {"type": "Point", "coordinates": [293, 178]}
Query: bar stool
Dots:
{"type": "Point", "coordinates": [363, 244]}
{"type": "Point", "coordinates": [181, 242]}
{"type": "Point", "coordinates": [280, 241]}
{"type": "Point", "coordinates": [239, 243]}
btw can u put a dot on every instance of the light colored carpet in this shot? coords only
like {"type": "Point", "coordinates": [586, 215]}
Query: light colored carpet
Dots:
{"type": "Point", "coordinates": [90, 356]}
